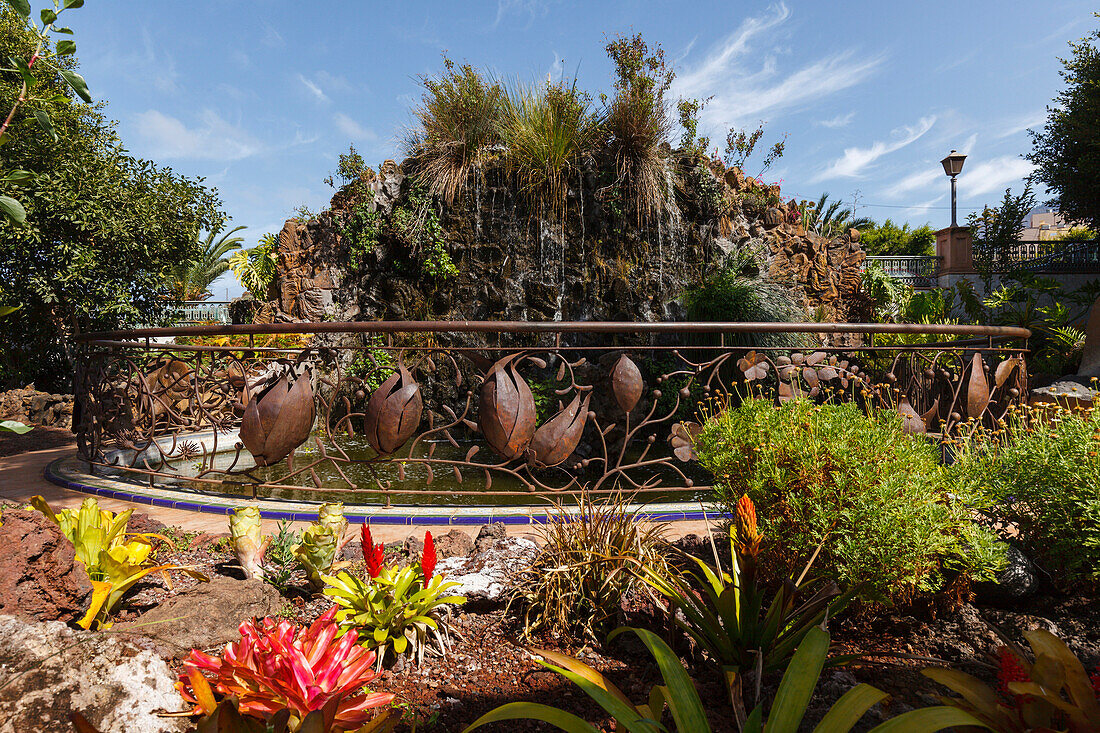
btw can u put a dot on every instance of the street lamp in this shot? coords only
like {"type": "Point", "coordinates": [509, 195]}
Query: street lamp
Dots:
{"type": "Point", "coordinates": [952, 166]}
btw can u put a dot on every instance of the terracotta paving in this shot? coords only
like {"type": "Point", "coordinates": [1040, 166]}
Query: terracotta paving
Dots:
{"type": "Point", "coordinates": [21, 477]}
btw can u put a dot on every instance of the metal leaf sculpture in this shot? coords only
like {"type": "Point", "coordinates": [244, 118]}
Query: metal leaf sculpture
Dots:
{"type": "Point", "coordinates": [393, 412]}
{"type": "Point", "coordinates": [278, 419]}
{"type": "Point", "coordinates": [559, 436]}
{"type": "Point", "coordinates": [977, 389]}
{"type": "Point", "coordinates": [506, 409]}
{"type": "Point", "coordinates": [626, 383]}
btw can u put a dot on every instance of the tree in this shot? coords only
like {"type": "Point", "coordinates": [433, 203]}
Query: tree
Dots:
{"type": "Point", "coordinates": [1000, 225]}
{"type": "Point", "coordinates": [1066, 152]}
{"type": "Point", "coordinates": [255, 267]}
{"type": "Point", "coordinates": [888, 238]}
{"type": "Point", "coordinates": [829, 219]}
{"type": "Point", "coordinates": [192, 280]}
{"type": "Point", "coordinates": [103, 228]}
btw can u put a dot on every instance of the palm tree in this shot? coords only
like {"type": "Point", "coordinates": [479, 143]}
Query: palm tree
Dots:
{"type": "Point", "coordinates": [191, 280]}
{"type": "Point", "coordinates": [829, 219]}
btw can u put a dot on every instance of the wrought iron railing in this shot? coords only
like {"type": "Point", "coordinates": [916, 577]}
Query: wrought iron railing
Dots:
{"type": "Point", "coordinates": [1039, 257]}
{"type": "Point", "coordinates": [373, 412]}
{"type": "Point", "coordinates": [920, 271]}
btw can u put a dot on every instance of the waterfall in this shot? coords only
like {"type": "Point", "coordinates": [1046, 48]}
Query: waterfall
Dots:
{"type": "Point", "coordinates": [580, 191]}
{"type": "Point", "coordinates": [477, 207]}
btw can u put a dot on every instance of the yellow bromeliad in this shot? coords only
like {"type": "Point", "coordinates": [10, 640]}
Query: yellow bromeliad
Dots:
{"type": "Point", "coordinates": [114, 563]}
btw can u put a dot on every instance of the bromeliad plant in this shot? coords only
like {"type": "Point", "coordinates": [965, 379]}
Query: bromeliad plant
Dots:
{"type": "Point", "coordinates": [249, 543]}
{"type": "Point", "coordinates": [282, 673]}
{"type": "Point", "coordinates": [114, 564]}
{"type": "Point", "coordinates": [678, 693]}
{"type": "Point", "coordinates": [398, 609]}
{"type": "Point", "coordinates": [1052, 693]}
{"type": "Point", "coordinates": [317, 551]}
{"type": "Point", "coordinates": [729, 615]}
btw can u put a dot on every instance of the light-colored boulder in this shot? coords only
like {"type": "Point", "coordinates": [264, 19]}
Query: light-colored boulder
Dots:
{"type": "Point", "coordinates": [50, 671]}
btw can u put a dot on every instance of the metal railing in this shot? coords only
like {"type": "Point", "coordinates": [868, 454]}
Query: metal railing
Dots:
{"type": "Point", "coordinates": [192, 312]}
{"type": "Point", "coordinates": [446, 411]}
{"type": "Point", "coordinates": [1039, 257]}
{"type": "Point", "coordinates": [920, 271]}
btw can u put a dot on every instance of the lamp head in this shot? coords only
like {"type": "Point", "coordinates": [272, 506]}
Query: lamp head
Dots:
{"type": "Point", "coordinates": [953, 163]}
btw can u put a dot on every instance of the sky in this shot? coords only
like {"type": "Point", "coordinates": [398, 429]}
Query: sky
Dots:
{"type": "Point", "coordinates": [259, 97]}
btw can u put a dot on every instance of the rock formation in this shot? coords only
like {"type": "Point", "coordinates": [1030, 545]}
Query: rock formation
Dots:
{"type": "Point", "coordinates": [591, 263]}
{"type": "Point", "coordinates": [40, 577]}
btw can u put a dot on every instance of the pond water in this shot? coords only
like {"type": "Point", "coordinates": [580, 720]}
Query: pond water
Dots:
{"type": "Point", "coordinates": [408, 479]}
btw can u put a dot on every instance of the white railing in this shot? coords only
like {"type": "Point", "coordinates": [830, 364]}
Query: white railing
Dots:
{"type": "Point", "coordinates": [917, 270]}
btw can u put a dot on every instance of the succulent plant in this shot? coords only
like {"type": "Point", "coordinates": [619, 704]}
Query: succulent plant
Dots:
{"type": "Point", "coordinates": [249, 544]}
{"type": "Point", "coordinates": [278, 666]}
{"type": "Point", "coordinates": [316, 551]}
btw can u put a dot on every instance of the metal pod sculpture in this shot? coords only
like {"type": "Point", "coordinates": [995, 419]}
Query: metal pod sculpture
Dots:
{"type": "Point", "coordinates": [913, 422]}
{"type": "Point", "coordinates": [278, 419]}
{"type": "Point", "coordinates": [626, 383]}
{"type": "Point", "coordinates": [506, 409]}
{"type": "Point", "coordinates": [558, 437]}
{"type": "Point", "coordinates": [977, 389]}
{"type": "Point", "coordinates": [393, 412]}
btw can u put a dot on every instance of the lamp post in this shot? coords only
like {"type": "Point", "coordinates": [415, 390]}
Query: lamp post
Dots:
{"type": "Point", "coordinates": [952, 166]}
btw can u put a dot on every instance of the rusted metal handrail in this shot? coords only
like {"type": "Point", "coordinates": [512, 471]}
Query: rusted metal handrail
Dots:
{"type": "Point", "coordinates": [603, 327]}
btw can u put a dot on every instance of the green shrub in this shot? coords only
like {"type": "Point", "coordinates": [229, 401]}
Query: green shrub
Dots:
{"type": "Point", "coordinates": [739, 291]}
{"type": "Point", "coordinates": [874, 497]}
{"type": "Point", "coordinates": [1040, 472]}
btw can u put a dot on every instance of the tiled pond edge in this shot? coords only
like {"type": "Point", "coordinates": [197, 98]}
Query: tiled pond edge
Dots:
{"type": "Point", "coordinates": [74, 474]}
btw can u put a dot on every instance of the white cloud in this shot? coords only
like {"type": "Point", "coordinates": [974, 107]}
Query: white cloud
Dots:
{"type": "Point", "coordinates": [856, 160]}
{"type": "Point", "coordinates": [926, 210]}
{"type": "Point", "coordinates": [917, 181]}
{"type": "Point", "coordinates": [313, 89]}
{"type": "Point", "coordinates": [838, 121]}
{"type": "Point", "coordinates": [353, 129]}
{"type": "Point", "coordinates": [556, 71]}
{"type": "Point", "coordinates": [272, 38]}
{"type": "Point", "coordinates": [742, 93]}
{"type": "Point", "coordinates": [1016, 125]}
{"type": "Point", "coordinates": [213, 138]}
{"type": "Point", "coordinates": [993, 175]}
{"type": "Point", "coordinates": [532, 8]}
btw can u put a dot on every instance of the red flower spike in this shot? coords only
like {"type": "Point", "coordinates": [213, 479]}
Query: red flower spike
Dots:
{"type": "Point", "coordinates": [428, 559]}
{"type": "Point", "coordinates": [372, 553]}
{"type": "Point", "coordinates": [1010, 669]}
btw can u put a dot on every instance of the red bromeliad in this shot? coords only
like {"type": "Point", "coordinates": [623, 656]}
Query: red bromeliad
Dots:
{"type": "Point", "coordinates": [428, 560]}
{"type": "Point", "coordinates": [278, 665]}
{"type": "Point", "coordinates": [372, 554]}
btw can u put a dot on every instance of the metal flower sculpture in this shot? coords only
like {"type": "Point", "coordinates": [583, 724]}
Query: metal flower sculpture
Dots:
{"type": "Point", "coordinates": [755, 366]}
{"type": "Point", "coordinates": [626, 383]}
{"type": "Point", "coordinates": [506, 409]}
{"type": "Point", "coordinates": [682, 439]}
{"type": "Point", "coordinates": [393, 413]}
{"type": "Point", "coordinates": [278, 419]}
{"type": "Point", "coordinates": [559, 436]}
{"type": "Point", "coordinates": [977, 389]}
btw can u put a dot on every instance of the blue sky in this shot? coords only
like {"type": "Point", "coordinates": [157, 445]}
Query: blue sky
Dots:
{"type": "Point", "coordinates": [260, 97]}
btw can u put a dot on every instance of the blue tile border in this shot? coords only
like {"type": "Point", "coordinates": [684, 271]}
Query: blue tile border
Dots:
{"type": "Point", "coordinates": [58, 473]}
